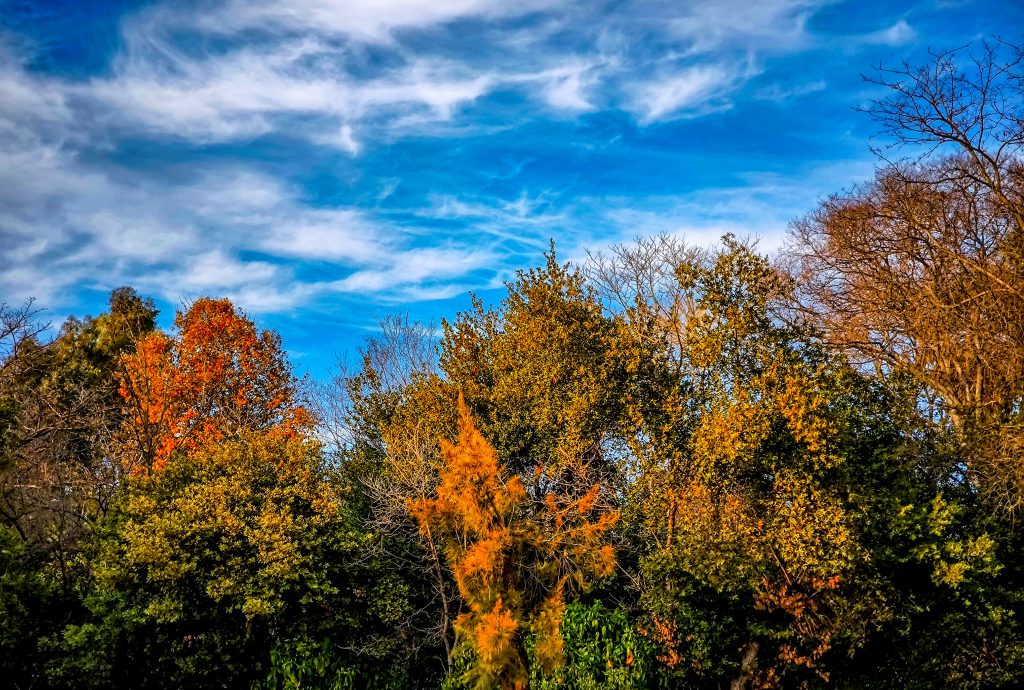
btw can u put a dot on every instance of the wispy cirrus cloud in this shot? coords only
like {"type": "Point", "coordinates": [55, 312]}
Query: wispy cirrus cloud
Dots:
{"type": "Point", "coordinates": [898, 34]}
{"type": "Point", "coordinates": [367, 20]}
{"type": "Point", "coordinates": [248, 94]}
{"type": "Point", "coordinates": [339, 67]}
{"type": "Point", "coordinates": [349, 155]}
{"type": "Point", "coordinates": [230, 232]}
{"type": "Point", "coordinates": [690, 91]}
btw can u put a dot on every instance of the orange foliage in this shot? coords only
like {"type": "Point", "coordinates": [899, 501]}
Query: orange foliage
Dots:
{"type": "Point", "coordinates": [494, 636]}
{"type": "Point", "coordinates": [814, 627]}
{"type": "Point", "coordinates": [514, 557]}
{"type": "Point", "coordinates": [219, 376]}
{"type": "Point", "coordinates": [664, 633]}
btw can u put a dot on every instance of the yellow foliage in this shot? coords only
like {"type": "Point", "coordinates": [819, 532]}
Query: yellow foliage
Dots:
{"type": "Point", "coordinates": [234, 519]}
{"type": "Point", "coordinates": [744, 507]}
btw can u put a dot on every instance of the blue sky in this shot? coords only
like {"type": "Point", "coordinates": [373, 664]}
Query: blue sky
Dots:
{"type": "Point", "coordinates": [327, 162]}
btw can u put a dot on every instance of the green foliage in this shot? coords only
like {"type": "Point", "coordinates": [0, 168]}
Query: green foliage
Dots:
{"type": "Point", "coordinates": [788, 519]}
{"type": "Point", "coordinates": [58, 419]}
{"type": "Point", "coordinates": [306, 665]}
{"type": "Point", "coordinates": [940, 577]}
{"type": "Point", "coordinates": [219, 557]}
{"type": "Point", "coordinates": [27, 603]}
{"type": "Point", "coordinates": [603, 651]}
{"type": "Point", "coordinates": [8, 431]}
{"type": "Point", "coordinates": [752, 542]}
{"type": "Point", "coordinates": [236, 525]}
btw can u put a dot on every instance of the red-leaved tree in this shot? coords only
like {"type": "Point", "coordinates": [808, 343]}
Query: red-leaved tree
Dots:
{"type": "Point", "coordinates": [217, 377]}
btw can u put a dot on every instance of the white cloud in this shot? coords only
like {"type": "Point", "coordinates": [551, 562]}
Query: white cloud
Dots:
{"type": "Point", "coordinates": [718, 48]}
{"type": "Point", "coordinates": [566, 86]}
{"type": "Point", "coordinates": [345, 236]}
{"type": "Point", "coordinates": [351, 75]}
{"type": "Point", "coordinates": [691, 91]}
{"type": "Point", "coordinates": [761, 205]}
{"type": "Point", "coordinates": [426, 271]}
{"type": "Point", "coordinates": [777, 93]}
{"type": "Point", "coordinates": [134, 230]}
{"type": "Point", "coordinates": [216, 269]}
{"type": "Point", "coordinates": [372, 20]}
{"type": "Point", "coordinates": [303, 68]}
{"type": "Point", "coordinates": [525, 223]}
{"type": "Point", "coordinates": [345, 140]}
{"type": "Point", "coordinates": [64, 224]}
{"type": "Point", "coordinates": [248, 93]}
{"type": "Point", "coordinates": [898, 34]}
{"type": "Point", "coordinates": [174, 249]}
{"type": "Point", "coordinates": [28, 101]}
{"type": "Point", "coordinates": [297, 67]}
{"type": "Point", "coordinates": [772, 25]}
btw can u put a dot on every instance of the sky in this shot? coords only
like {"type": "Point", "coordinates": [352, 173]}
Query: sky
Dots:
{"type": "Point", "coordinates": [324, 163]}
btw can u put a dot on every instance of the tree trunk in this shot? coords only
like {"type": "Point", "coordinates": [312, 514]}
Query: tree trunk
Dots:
{"type": "Point", "coordinates": [747, 666]}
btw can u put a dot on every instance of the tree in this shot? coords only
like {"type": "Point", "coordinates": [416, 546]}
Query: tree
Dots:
{"type": "Point", "coordinates": [30, 603]}
{"type": "Point", "coordinates": [914, 273]}
{"type": "Point", "coordinates": [539, 371]}
{"type": "Point", "coordinates": [751, 542]}
{"type": "Point", "coordinates": [793, 519]}
{"type": "Point", "coordinates": [971, 105]}
{"type": "Point", "coordinates": [384, 420]}
{"type": "Point", "coordinates": [216, 378]}
{"type": "Point", "coordinates": [59, 420]}
{"type": "Point", "coordinates": [65, 415]}
{"type": "Point", "coordinates": [515, 560]}
{"type": "Point", "coordinates": [922, 269]}
{"type": "Point", "coordinates": [230, 551]}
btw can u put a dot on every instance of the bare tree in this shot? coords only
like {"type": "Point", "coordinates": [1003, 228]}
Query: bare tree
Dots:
{"type": "Point", "coordinates": [373, 417]}
{"type": "Point", "coordinates": [19, 328]}
{"type": "Point", "coordinates": [907, 274]}
{"type": "Point", "coordinates": [922, 269]}
{"type": "Point", "coordinates": [638, 281]}
{"type": "Point", "coordinates": [48, 488]}
{"type": "Point", "coordinates": [968, 104]}
{"type": "Point", "coordinates": [62, 416]}
{"type": "Point", "coordinates": [401, 352]}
